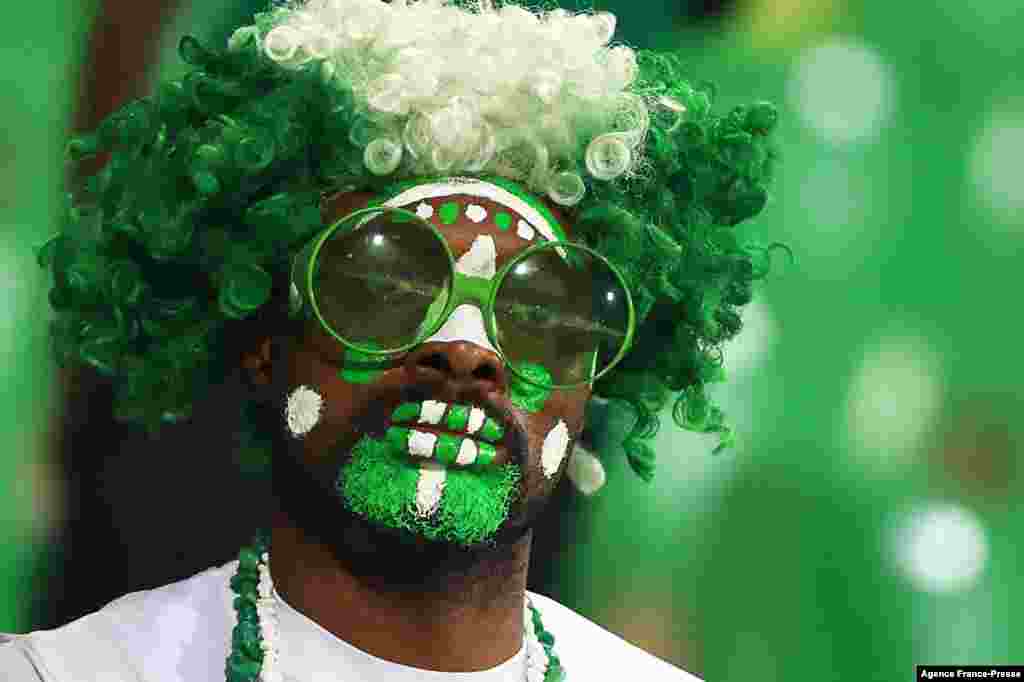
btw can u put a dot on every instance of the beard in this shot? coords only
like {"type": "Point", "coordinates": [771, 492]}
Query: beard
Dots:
{"type": "Point", "coordinates": [340, 508]}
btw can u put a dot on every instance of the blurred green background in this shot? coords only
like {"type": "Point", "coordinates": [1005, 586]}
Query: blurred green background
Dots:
{"type": "Point", "coordinates": [870, 517]}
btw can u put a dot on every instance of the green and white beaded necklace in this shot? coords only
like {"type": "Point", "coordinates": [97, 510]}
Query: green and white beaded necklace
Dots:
{"type": "Point", "coordinates": [254, 655]}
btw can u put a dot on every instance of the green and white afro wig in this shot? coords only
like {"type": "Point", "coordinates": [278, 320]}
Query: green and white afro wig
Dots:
{"type": "Point", "coordinates": [214, 182]}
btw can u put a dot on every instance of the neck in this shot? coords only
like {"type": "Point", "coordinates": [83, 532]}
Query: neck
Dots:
{"type": "Point", "coordinates": [474, 622]}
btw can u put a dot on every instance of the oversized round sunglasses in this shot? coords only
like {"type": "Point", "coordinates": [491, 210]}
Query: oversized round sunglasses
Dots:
{"type": "Point", "coordinates": [383, 280]}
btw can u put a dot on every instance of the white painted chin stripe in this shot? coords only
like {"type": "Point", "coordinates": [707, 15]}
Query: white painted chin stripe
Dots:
{"type": "Point", "coordinates": [476, 188]}
{"type": "Point", "coordinates": [466, 323]}
{"type": "Point", "coordinates": [429, 487]}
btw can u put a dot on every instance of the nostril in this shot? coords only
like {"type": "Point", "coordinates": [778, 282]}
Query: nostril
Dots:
{"type": "Point", "coordinates": [435, 361]}
{"type": "Point", "coordinates": [486, 371]}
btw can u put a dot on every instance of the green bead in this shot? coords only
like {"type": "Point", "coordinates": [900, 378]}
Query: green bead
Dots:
{"type": "Point", "coordinates": [405, 412]}
{"type": "Point", "coordinates": [458, 417]}
{"type": "Point", "coordinates": [555, 673]}
{"type": "Point", "coordinates": [241, 669]}
{"type": "Point", "coordinates": [248, 560]}
{"type": "Point", "coordinates": [248, 644]}
{"type": "Point", "coordinates": [546, 638]}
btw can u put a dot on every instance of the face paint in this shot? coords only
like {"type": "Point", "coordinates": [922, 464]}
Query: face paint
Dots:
{"type": "Point", "coordinates": [480, 260]}
{"type": "Point", "coordinates": [449, 212]}
{"type": "Point", "coordinates": [388, 487]}
{"type": "Point", "coordinates": [477, 446]}
{"type": "Point", "coordinates": [429, 488]}
{"type": "Point", "coordinates": [525, 230]}
{"type": "Point", "coordinates": [530, 395]}
{"type": "Point", "coordinates": [466, 323]}
{"type": "Point", "coordinates": [476, 213]}
{"type": "Point", "coordinates": [302, 411]}
{"type": "Point", "coordinates": [361, 368]}
{"type": "Point", "coordinates": [445, 448]}
{"type": "Point", "coordinates": [556, 444]}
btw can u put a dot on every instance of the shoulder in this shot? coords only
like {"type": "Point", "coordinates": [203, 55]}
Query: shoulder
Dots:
{"type": "Point", "coordinates": [172, 633]}
{"type": "Point", "coordinates": [588, 651]}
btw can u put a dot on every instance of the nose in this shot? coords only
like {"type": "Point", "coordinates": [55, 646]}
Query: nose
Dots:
{"type": "Point", "coordinates": [457, 368]}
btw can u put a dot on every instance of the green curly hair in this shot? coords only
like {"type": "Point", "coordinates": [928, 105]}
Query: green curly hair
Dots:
{"type": "Point", "coordinates": [214, 182]}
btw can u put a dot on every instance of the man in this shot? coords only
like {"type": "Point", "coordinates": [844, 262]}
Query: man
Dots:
{"type": "Point", "coordinates": [425, 236]}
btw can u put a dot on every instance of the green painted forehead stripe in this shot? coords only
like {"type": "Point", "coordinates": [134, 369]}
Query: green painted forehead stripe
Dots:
{"type": "Point", "coordinates": [498, 190]}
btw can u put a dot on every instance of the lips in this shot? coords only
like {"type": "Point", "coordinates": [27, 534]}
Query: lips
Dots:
{"type": "Point", "coordinates": [451, 434]}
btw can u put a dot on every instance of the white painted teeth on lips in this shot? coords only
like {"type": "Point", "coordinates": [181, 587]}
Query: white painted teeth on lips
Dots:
{"type": "Point", "coordinates": [470, 441]}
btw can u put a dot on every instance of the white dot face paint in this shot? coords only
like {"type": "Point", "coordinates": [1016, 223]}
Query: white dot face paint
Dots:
{"type": "Point", "coordinates": [432, 411]}
{"type": "Point", "coordinates": [421, 444]}
{"type": "Point", "coordinates": [429, 488]}
{"type": "Point", "coordinates": [477, 188]}
{"type": "Point", "coordinates": [480, 260]}
{"type": "Point", "coordinates": [425, 211]}
{"type": "Point", "coordinates": [476, 213]}
{"type": "Point", "coordinates": [556, 445]}
{"type": "Point", "coordinates": [302, 411]}
{"type": "Point", "coordinates": [525, 230]}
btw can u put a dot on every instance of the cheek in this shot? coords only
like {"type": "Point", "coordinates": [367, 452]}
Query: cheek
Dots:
{"type": "Point", "coordinates": [320, 405]}
{"type": "Point", "coordinates": [552, 431]}
{"type": "Point", "coordinates": [554, 448]}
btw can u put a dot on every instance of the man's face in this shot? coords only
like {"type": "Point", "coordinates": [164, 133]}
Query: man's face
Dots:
{"type": "Point", "coordinates": [378, 437]}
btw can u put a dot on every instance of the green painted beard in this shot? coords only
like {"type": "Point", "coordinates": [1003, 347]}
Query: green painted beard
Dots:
{"type": "Point", "coordinates": [379, 483]}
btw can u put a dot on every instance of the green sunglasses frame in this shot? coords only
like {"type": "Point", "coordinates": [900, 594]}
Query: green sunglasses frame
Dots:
{"type": "Point", "coordinates": [462, 289]}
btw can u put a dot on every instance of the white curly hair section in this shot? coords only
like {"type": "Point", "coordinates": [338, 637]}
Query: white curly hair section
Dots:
{"type": "Point", "coordinates": [539, 98]}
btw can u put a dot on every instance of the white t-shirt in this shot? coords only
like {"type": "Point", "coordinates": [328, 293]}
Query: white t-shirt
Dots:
{"type": "Point", "coordinates": [182, 633]}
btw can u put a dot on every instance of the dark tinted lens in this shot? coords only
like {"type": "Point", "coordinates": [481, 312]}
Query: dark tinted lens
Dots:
{"type": "Point", "coordinates": [564, 309]}
{"type": "Point", "coordinates": [377, 281]}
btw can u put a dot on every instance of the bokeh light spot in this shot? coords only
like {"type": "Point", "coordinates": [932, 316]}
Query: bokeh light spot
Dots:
{"type": "Point", "coordinates": [939, 548]}
{"type": "Point", "coordinates": [843, 91]}
{"type": "Point", "coordinates": [894, 398]}
{"type": "Point", "coordinates": [995, 164]}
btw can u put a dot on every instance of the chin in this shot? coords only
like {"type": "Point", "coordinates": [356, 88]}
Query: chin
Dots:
{"type": "Point", "coordinates": [431, 504]}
